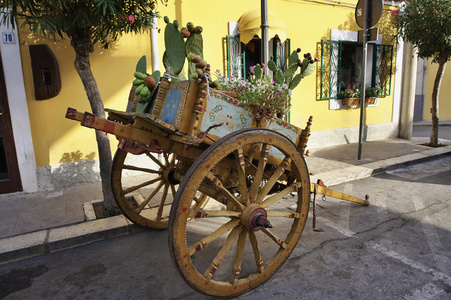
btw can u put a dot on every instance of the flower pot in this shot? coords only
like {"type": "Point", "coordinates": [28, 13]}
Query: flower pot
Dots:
{"type": "Point", "coordinates": [370, 100]}
{"type": "Point", "coordinates": [351, 101]}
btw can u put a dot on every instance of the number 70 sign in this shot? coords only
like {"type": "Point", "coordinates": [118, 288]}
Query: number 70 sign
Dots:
{"type": "Point", "coordinates": [8, 38]}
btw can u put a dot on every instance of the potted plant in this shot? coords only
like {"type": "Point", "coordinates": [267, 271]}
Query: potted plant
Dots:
{"type": "Point", "coordinates": [351, 95]}
{"type": "Point", "coordinates": [371, 94]}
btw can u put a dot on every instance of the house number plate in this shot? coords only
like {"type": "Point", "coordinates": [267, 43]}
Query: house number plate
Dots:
{"type": "Point", "coordinates": [8, 38]}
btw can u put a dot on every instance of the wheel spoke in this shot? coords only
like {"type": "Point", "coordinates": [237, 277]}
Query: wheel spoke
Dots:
{"type": "Point", "coordinates": [136, 187]}
{"type": "Point", "coordinates": [272, 181]}
{"type": "Point", "coordinates": [276, 197]}
{"type": "Point", "coordinates": [238, 257]}
{"type": "Point", "coordinates": [200, 213]}
{"type": "Point", "coordinates": [200, 202]}
{"type": "Point", "coordinates": [199, 245]}
{"type": "Point", "coordinates": [283, 214]}
{"type": "Point", "coordinates": [163, 200]}
{"type": "Point", "coordinates": [133, 168]}
{"type": "Point", "coordinates": [145, 202]}
{"type": "Point", "coordinates": [214, 265]}
{"type": "Point", "coordinates": [275, 238]}
{"type": "Point", "coordinates": [173, 191]}
{"type": "Point", "coordinates": [217, 182]}
{"type": "Point", "coordinates": [155, 160]}
{"type": "Point", "coordinates": [259, 175]}
{"type": "Point", "coordinates": [241, 170]}
{"type": "Point", "coordinates": [257, 256]}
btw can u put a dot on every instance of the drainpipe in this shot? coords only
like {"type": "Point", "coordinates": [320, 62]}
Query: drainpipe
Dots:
{"type": "Point", "coordinates": [264, 26]}
{"type": "Point", "coordinates": [154, 45]}
{"type": "Point", "coordinates": [408, 91]}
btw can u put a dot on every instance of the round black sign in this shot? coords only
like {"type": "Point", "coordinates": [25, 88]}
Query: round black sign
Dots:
{"type": "Point", "coordinates": [375, 12]}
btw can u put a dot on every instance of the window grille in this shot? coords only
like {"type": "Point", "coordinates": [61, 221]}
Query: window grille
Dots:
{"type": "Point", "coordinates": [331, 62]}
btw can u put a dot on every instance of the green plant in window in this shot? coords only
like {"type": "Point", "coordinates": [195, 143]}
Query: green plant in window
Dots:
{"type": "Point", "coordinates": [372, 92]}
{"type": "Point", "coordinates": [352, 91]}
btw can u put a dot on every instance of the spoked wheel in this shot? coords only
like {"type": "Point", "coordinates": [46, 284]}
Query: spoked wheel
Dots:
{"type": "Point", "coordinates": [144, 187]}
{"type": "Point", "coordinates": [261, 188]}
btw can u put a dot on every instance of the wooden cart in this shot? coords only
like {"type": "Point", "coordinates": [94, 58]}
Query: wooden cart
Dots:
{"type": "Point", "coordinates": [234, 191]}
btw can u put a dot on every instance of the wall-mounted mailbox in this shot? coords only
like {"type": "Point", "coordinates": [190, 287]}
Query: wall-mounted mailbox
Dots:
{"type": "Point", "coordinates": [46, 74]}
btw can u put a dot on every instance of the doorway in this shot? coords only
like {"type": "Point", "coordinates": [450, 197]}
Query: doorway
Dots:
{"type": "Point", "coordinates": [9, 169]}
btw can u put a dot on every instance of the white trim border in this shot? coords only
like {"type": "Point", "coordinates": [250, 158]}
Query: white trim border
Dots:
{"type": "Point", "coordinates": [15, 88]}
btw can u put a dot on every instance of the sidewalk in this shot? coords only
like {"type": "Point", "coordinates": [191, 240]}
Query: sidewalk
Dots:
{"type": "Point", "coordinates": [33, 224]}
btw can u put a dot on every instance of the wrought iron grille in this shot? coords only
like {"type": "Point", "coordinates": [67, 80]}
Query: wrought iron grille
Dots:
{"type": "Point", "coordinates": [331, 60]}
{"type": "Point", "coordinates": [235, 56]}
{"type": "Point", "coordinates": [330, 69]}
{"type": "Point", "coordinates": [382, 68]}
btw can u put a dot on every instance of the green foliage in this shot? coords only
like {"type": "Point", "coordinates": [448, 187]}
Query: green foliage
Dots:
{"type": "Point", "coordinates": [101, 21]}
{"type": "Point", "coordinates": [427, 25]}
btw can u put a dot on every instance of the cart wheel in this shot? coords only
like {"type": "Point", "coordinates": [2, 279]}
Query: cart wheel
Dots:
{"type": "Point", "coordinates": [145, 194]}
{"type": "Point", "coordinates": [261, 186]}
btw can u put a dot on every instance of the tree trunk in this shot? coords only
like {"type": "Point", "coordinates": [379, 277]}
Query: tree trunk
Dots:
{"type": "Point", "coordinates": [435, 99]}
{"type": "Point", "coordinates": [83, 67]}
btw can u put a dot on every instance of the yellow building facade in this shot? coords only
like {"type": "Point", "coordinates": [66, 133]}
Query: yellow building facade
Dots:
{"type": "Point", "coordinates": [444, 94]}
{"type": "Point", "coordinates": [53, 152]}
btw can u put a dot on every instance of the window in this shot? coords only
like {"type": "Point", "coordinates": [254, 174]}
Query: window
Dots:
{"type": "Point", "coordinates": [241, 57]}
{"type": "Point", "coordinates": [341, 64]}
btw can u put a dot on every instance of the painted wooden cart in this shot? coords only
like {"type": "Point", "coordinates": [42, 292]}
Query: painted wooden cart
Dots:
{"type": "Point", "coordinates": [234, 191]}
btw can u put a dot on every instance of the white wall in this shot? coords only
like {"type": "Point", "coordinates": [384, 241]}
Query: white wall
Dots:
{"type": "Point", "coordinates": [12, 68]}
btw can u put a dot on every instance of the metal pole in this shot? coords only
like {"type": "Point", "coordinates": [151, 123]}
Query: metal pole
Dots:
{"type": "Point", "coordinates": [264, 26]}
{"type": "Point", "coordinates": [368, 4]}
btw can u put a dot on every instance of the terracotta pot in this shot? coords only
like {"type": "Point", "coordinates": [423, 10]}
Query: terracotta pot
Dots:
{"type": "Point", "coordinates": [351, 101]}
{"type": "Point", "coordinates": [370, 100]}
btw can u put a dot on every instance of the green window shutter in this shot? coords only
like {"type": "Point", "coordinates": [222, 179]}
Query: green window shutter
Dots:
{"type": "Point", "coordinates": [281, 53]}
{"type": "Point", "coordinates": [382, 68]}
{"type": "Point", "coordinates": [330, 69]}
{"type": "Point", "coordinates": [235, 56]}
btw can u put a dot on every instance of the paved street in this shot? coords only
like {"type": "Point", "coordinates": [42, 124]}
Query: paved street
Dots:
{"type": "Point", "coordinates": [396, 248]}
{"type": "Point", "coordinates": [444, 132]}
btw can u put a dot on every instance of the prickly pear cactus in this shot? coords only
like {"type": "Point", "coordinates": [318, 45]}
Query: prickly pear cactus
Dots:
{"type": "Point", "coordinates": [258, 72]}
{"type": "Point", "coordinates": [194, 44]}
{"type": "Point", "coordinates": [143, 89]}
{"type": "Point", "coordinates": [174, 56]}
{"type": "Point", "coordinates": [141, 66]}
{"type": "Point", "coordinates": [291, 77]}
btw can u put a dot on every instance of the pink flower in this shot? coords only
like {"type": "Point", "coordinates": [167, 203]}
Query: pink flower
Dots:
{"type": "Point", "coordinates": [131, 19]}
{"type": "Point", "coordinates": [394, 12]}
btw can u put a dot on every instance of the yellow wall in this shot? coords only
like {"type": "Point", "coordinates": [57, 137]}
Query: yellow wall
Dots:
{"type": "Point", "coordinates": [444, 94]}
{"type": "Point", "coordinates": [57, 140]}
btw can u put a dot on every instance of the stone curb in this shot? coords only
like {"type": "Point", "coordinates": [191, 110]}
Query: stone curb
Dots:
{"type": "Point", "coordinates": [55, 239]}
{"type": "Point", "coordinates": [336, 177]}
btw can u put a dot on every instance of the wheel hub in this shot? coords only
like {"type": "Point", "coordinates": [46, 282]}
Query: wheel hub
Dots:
{"type": "Point", "coordinates": [168, 176]}
{"type": "Point", "coordinates": [255, 218]}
